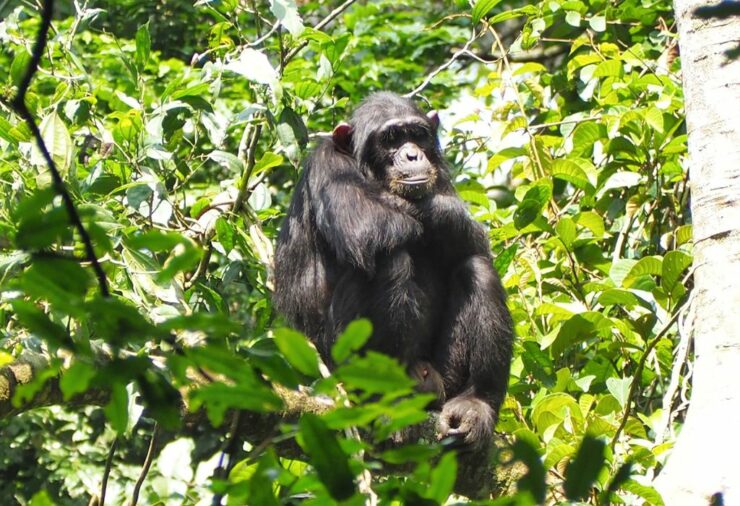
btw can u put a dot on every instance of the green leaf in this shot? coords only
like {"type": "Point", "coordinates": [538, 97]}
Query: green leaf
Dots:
{"type": "Point", "coordinates": [483, 7]}
{"type": "Point", "coordinates": [37, 322]}
{"type": "Point", "coordinates": [652, 265]}
{"type": "Point", "coordinates": [585, 135]}
{"type": "Point", "coordinates": [566, 230]}
{"type": "Point", "coordinates": [287, 13]}
{"type": "Point", "coordinates": [297, 351]}
{"type": "Point", "coordinates": [573, 18]}
{"type": "Point", "coordinates": [61, 282]}
{"type": "Point", "coordinates": [674, 263]}
{"type": "Point", "coordinates": [684, 234]}
{"type": "Point", "coordinates": [597, 23]}
{"type": "Point", "coordinates": [225, 234]}
{"type": "Point", "coordinates": [267, 162]}
{"type": "Point", "coordinates": [585, 468]}
{"type": "Point", "coordinates": [654, 118]}
{"type": "Point", "coordinates": [326, 456]}
{"type": "Point", "coordinates": [76, 379]}
{"type": "Point", "coordinates": [143, 46]}
{"type": "Point", "coordinates": [228, 161]}
{"type": "Point", "coordinates": [442, 478]}
{"type": "Point", "coordinates": [117, 408]}
{"type": "Point", "coordinates": [609, 68]}
{"type": "Point", "coordinates": [374, 373]}
{"type": "Point", "coordinates": [618, 297]}
{"type": "Point", "coordinates": [19, 65]}
{"type": "Point", "coordinates": [619, 388]}
{"type": "Point", "coordinates": [569, 171]}
{"type": "Point", "coordinates": [553, 409]}
{"type": "Point", "coordinates": [255, 66]}
{"type": "Point", "coordinates": [352, 339]}
{"type": "Point", "coordinates": [526, 212]}
{"type": "Point", "coordinates": [592, 221]}
{"type": "Point", "coordinates": [58, 143]}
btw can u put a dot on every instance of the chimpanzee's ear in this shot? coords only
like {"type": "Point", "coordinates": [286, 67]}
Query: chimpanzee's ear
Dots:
{"type": "Point", "coordinates": [433, 117]}
{"type": "Point", "coordinates": [342, 136]}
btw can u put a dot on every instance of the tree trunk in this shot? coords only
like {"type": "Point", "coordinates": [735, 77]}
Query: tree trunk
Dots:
{"type": "Point", "coordinates": [704, 467]}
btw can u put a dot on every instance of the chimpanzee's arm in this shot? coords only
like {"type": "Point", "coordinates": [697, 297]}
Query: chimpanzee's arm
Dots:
{"type": "Point", "coordinates": [474, 352]}
{"type": "Point", "coordinates": [353, 214]}
{"type": "Point", "coordinates": [449, 227]}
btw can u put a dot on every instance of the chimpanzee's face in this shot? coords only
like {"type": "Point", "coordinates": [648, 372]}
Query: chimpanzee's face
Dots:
{"type": "Point", "coordinates": [404, 156]}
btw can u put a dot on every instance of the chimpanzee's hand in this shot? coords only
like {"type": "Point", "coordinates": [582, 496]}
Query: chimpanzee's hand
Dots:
{"type": "Point", "coordinates": [467, 422]}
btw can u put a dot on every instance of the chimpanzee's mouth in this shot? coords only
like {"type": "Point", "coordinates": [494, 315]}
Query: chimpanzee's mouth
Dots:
{"type": "Point", "coordinates": [415, 181]}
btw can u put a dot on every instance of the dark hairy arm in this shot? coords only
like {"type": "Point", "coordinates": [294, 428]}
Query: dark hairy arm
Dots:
{"type": "Point", "coordinates": [354, 214]}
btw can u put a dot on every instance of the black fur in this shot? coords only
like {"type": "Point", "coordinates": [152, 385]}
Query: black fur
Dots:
{"type": "Point", "coordinates": [418, 267]}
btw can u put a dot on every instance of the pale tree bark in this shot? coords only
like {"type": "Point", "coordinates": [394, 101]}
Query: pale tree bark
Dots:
{"type": "Point", "coordinates": [704, 467]}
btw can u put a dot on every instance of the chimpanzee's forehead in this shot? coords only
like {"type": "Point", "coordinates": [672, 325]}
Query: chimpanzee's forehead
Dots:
{"type": "Point", "coordinates": [404, 122]}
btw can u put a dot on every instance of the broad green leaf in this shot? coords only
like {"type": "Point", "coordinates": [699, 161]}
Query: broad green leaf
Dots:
{"type": "Point", "coordinates": [286, 13]}
{"type": "Point", "coordinates": [566, 230]}
{"type": "Point", "coordinates": [374, 373]}
{"type": "Point", "coordinates": [684, 234]}
{"type": "Point", "coordinates": [558, 453]}
{"type": "Point", "coordinates": [326, 456]}
{"type": "Point", "coordinates": [618, 297]}
{"type": "Point", "coordinates": [527, 10]}
{"type": "Point", "coordinates": [585, 135]}
{"type": "Point", "coordinates": [553, 409]}
{"type": "Point", "coordinates": [442, 479]}
{"type": "Point", "coordinates": [619, 388]}
{"type": "Point", "coordinates": [597, 23]}
{"type": "Point", "coordinates": [569, 171]}
{"type": "Point", "coordinates": [652, 265]}
{"type": "Point", "coordinates": [352, 339]}
{"type": "Point", "coordinates": [609, 68]}
{"type": "Point", "coordinates": [620, 269]}
{"type": "Point", "coordinates": [573, 18]}
{"type": "Point", "coordinates": [504, 258]}
{"type": "Point", "coordinates": [225, 234]}
{"type": "Point", "coordinates": [76, 379]}
{"type": "Point", "coordinates": [580, 327]}
{"type": "Point", "coordinates": [267, 162]}
{"type": "Point", "coordinates": [58, 143]}
{"type": "Point", "coordinates": [526, 212]}
{"type": "Point", "coordinates": [583, 470]}
{"type": "Point", "coordinates": [254, 66]}
{"type": "Point", "coordinates": [532, 67]}
{"type": "Point", "coordinates": [143, 46]}
{"type": "Point", "coordinates": [117, 408]}
{"type": "Point", "coordinates": [227, 160]}
{"type": "Point", "coordinates": [481, 8]}
{"type": "Point", "coordinates": [297, 351]}
{"type": "Point", "coordinates": [37, 322]}
{"type": "Point", "coordinates": [674, 263]}
{"type": "Point", "coordinates": [654, 118]}
{"type": "Point", "coordinates": [19, 65]}
{"type": "Point", "coordinates": [592, 221]}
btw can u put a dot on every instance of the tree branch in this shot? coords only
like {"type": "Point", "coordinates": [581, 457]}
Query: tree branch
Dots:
{"type": "Point", "coordinates": [19, 105]}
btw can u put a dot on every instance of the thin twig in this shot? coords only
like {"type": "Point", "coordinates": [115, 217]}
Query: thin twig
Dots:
{"type": "Point", "coordinates": [19, 105]}
{"type": "Point", "coordinates": [106, 471]}
{"type": "Point", "coordinates": [147, 464]}
{"type": "Point", "coordinates": [321, 24]}
{"type": "Point", "coordinates": [226, 460]}
{"type": "Point", "coordinates": [640, 366]}
{"type": "Point", "coordinates": [464, 51]}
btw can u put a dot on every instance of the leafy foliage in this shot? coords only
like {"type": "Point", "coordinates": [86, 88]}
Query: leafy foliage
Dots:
{"type": "Point", "coordinates": [179, 129]}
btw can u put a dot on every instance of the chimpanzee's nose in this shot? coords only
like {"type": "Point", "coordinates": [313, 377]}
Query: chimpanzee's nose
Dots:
{"type": "Point", "coordinates": [411, 153]}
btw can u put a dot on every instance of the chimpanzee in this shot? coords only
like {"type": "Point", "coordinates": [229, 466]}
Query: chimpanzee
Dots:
{"type": "Point", "coordinates": [376, 230]}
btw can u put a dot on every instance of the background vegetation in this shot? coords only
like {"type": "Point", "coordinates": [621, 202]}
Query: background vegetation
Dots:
{"type": "Point", "coordinates": [178, 129]}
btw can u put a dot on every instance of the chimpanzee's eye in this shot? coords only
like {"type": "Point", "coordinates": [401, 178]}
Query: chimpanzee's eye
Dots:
{"type": "Point", "coordinates": [392, 136]}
